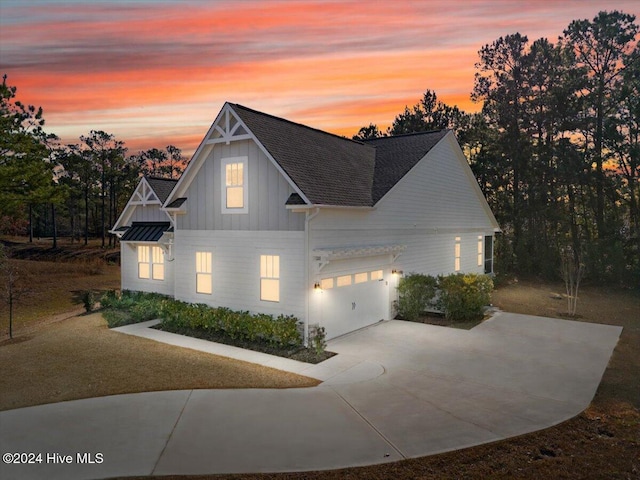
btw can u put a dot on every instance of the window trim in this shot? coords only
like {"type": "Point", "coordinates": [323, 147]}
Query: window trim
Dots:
{"type": "Point", "coordinates": [148, 260]}
{"type": "Point", "coordinates": [270, 274]}
{"type": "Point", "coordinates": [208, 264]}
{"type": "Point", "coordinates": [457, 250]}
{"type": "Point", "coordinates": [223, 185]}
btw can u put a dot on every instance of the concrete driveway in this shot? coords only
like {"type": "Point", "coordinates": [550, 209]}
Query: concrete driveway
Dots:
{"type": "Point", "coordinates": [396, 390]}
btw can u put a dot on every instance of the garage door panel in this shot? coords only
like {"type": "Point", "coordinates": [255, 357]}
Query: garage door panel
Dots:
{"type": "Point", "coordinates": [353, 306]}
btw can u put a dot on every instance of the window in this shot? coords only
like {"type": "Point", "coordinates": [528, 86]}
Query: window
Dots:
{"type": "Point", "coordinates": [361, 277]}
{"type": "Point", "coordinates": [204, 282]}
{"type": "Point", "coordinates": [157, 263]}
{"type": "Point", "coordinates": [143, 262]}
{"type": "Point", "coordinates": [234, 183]}
{"type": "Point", "coordinates": [150, 262]}
{"type": "Point", "coordinates": [326, 283]}
{"type": "Point", "coordinates": [488, 254]}
{"type": "Point", "coordinates": [376, 275]}
{"type": "Point", "coordinates": [480, 252]}
{"type": "Point", "coordinates": [270, 278]}
{"type": "Point", "coordinates": [344, 280]}
{"type": "Point", "coordinates": [456, 255]}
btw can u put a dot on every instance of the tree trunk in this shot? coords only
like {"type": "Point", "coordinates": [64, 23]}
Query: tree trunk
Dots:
{"type": "Point", "coordinates": [30, 223]}
{"type": "Point", "coordinates": [54, 226]}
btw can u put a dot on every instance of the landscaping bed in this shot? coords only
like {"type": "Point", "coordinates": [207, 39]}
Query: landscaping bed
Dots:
{"type": "Point", "coordinates": [294, 353]}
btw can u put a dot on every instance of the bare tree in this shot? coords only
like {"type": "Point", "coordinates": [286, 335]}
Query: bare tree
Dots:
{"type": "Point", "coordinates": [572, 271]}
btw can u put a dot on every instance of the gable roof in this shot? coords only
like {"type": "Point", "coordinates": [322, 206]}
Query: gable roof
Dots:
{"type": "Point", "coordinates": [329, 169]}
{"type": "Point", "coordinates": [162, 187]}
{"type": "Point", "coordinates": [395, 156]}
{"type": "Point", "coordinates": [322, 168]}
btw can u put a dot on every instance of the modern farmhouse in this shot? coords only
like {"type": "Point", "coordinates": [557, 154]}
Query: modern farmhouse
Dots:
{"type": "Point", "coordinates": [275, 217]}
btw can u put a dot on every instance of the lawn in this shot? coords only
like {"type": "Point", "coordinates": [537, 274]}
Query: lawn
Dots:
{"type": "Point", "coordinates": [79, 357]}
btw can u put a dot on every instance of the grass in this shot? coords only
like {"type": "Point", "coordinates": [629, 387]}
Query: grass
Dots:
{"type": "Point", "coordinates": [80, 357]}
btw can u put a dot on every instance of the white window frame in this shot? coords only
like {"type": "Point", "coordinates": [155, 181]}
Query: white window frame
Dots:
{"type": "Point", "coordinates": [270, 278]}
{"type": "Point", "coordinates": [457, 249]}
{"type": "Point", "coordinates": [244, 183]}
{"type": "Point", "coordinates": [151, 259]}
{"type": "Point", "coordinates": [157, 263]}
{"type": "Point", "coordinates": [144, 255]}
{"type": "Point", "coordinates": [204, 271]}
{"type": "Point", "coordinates": [481, 250]}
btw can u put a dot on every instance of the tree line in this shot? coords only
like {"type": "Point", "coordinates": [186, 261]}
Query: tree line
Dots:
{"type": "Point", "coordinates": [555, 149]}
{"type": "Point", "coordinates": [48, 189]}
{"type": "Point", "coordinates": [556, 146]}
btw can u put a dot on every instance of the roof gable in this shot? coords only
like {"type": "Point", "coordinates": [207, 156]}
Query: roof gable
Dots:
{"type": "Point", "coordinates": [329, 169]}
{"type": "Point", "coordinates": [324, 169]}
{"type": "Point", "coordinates": [162, 187]}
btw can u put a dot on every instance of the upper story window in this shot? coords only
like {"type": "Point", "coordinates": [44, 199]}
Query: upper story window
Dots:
{"type": "Point", "coordinates": [234, 185]}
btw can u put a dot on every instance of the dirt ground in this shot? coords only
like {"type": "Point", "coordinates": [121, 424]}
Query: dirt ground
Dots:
{"type": "Point", "coordinates": [79, 357]}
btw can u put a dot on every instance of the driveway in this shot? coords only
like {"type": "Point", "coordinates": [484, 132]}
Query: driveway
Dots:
{"type": "Point", "coordinates": [396, 390]}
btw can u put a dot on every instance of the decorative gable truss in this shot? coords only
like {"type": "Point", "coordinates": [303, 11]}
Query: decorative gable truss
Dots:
{"type": "Point", "coordinates": [227, 128]}
{"type": "Point", "coordinates": [143, 196]}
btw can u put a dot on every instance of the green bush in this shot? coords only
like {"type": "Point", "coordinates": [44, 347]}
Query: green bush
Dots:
{"type": "Point", "coordinates": [415, 295]}
{"type": "Point", "coordinates": [88, 298]}
{"type": "Point", "coordinates": [130, 307]}
{"type": "Point", "coordinates": [463, 295]}
{"type": "Point", "coordinates": [280, 332]}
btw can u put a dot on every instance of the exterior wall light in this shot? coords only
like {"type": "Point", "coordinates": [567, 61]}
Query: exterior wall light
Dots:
{"type": "Point", "coordinates": [317, 287]}
{"type": "Point", "coordinates": [396, 272]}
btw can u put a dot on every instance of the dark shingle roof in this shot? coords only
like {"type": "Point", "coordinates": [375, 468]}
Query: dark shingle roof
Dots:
{"type": "Point", "coordinates": [330, 170]}
{"type": "Point", "coordinates": [395, 156]}
{"type": "Point", "coordinates": [177, 203]}
{"type": "Point", "coordinates": [161, 186]}
{"type": "Point", "coordinates": [333, 170]}
{"type": "Point", "coordinates": [145, 231]}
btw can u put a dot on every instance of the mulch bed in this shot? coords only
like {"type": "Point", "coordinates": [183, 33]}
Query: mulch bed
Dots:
{"type": "Point", "coordinates": [307, 355]}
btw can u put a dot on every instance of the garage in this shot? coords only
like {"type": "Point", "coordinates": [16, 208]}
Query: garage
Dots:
{"type": "Point", "coordinates": [354, 287]}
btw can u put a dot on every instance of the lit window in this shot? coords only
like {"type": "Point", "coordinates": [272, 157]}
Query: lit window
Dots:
{"type": "Point", "coordinates": [143, 262]}
{"type": "Point", "coordinates": [376, 275]}
{"type": "Point", "coordinates": [326, 283]}
{"type": "Point", "coordinates": [234, 182]}
{"type": "Point", "coordinates": [204, 282]}
{"type": "Point", "coordinates": [480, 252]}
{"type": "Point", "coordinates": [270, 278]}
{"type": "Point", "coordinates": [157, 263]}
{"type": "Point", "coordinates": [344, 280]}
{"type": "Point", "coordinates": [456, 255]}
{"type": "Point", "coordinates": [361, 277]}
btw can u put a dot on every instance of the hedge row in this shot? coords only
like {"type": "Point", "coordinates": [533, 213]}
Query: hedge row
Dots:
{"type": "Point", "coordinates": [460, 296]}
{"type": "Point", "coordinates": [133, 307]}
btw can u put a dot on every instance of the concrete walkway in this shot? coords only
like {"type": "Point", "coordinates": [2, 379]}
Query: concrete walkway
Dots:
{"type": "Point", "coordinates": [396, 390]}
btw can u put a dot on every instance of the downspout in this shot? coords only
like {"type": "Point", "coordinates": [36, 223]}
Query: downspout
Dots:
{"type": "Point", "coordinates": [307, 270]}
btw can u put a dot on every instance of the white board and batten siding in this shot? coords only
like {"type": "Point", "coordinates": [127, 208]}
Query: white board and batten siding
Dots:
{"type": "Point", "coordinates": [426, 210]}
{"type": "Point", "coordinates": [236, 269]}
{"type": "Point", "coordinates": [129, 272]}
{"type": "Point", "coordinates": [148, 213]}
{"type": "Point", "coordinates": [268, 192]}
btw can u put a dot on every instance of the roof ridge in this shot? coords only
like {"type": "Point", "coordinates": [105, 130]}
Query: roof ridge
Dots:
{"type": "Point", "coordinates": [154, 177]}
{"type": "Point", "coordinates": [307, 127]}
{"type": "Point", "coordinates": [386, 137]}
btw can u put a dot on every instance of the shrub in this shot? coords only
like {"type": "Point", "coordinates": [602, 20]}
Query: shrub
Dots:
{"type": "Point", "coordinates": [463, 296]}
{"type": "Point", "coordinates": [88, 298]}
{"type": "Point", "coordinates": [317, 339]}
{"type": "Point", "coordinates": [131, 307]}
{"type": "Point", "coordinates": [416, 293]}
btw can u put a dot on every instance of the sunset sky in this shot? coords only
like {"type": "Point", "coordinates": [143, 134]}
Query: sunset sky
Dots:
{"type": "Point", "coordinates": [157, 72]}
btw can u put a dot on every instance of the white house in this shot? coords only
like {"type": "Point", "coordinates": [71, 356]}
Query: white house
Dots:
{"type": "Point", "coordinates": [275, 217]}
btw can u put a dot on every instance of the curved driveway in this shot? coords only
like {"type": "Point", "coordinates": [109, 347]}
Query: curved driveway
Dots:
{"type": "Point", "coordinates": [396, 390]}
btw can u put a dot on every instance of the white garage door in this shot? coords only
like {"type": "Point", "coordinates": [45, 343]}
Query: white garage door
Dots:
{"type": "Point", "coordinates": [353, 301]}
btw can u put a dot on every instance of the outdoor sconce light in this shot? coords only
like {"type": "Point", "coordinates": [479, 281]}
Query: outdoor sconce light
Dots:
{"type": "Point", "coordinates": [396, 272]}
{"type": "Point", "coordinates": [316, 286]}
